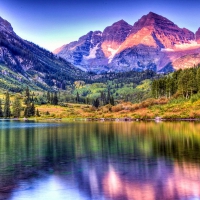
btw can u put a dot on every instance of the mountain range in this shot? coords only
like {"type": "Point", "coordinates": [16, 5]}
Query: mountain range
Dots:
{"type": "Point", "coordinates": [153, 42]}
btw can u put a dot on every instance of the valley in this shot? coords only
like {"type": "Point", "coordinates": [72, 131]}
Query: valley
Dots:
{"type": "Point", "coordinates": [110, 74]}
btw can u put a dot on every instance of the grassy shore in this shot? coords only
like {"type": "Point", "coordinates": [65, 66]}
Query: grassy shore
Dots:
{"type": "Point", "coordinates": [149, 109]}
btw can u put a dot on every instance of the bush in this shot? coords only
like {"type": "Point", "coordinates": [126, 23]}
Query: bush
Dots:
{"type": "Point", "coordinates": [117, 108]}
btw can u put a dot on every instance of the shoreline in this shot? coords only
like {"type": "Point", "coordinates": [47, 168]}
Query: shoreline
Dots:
{"type": "Point", "coordinates": [125, 119]}
{"type": "Point", "coordinates": [104, 119]}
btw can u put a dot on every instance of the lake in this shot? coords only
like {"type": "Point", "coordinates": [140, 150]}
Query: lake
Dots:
{"type": "Point", "coordinates": [99, 160]}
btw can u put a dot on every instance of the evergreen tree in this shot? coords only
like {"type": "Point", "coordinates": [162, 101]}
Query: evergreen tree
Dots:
{"type": "Point", "coordinates": [1, 110]}
{"type": "Point", "coordinates": [169, 87]}
{"type": "Point", "coordinates": [96, 103]}
{"type": "Point", "coordinates": [112, 101]}
{"type": "Point", "coordinates": [26, 112]}
{"type": "Point", "coordinates": [51, 98]}
{"type": "Point", "coordinates": [108, 97]}
{"type": "Point", "coordinates": [27, 96]}
{"type": "Point", "coordinates": [183, 84]}
{"type": "Point", "coordinates": [55, 99]}
{"type": "Point", "coordinates": [154, 89]}
{"type": "Point", "coordinates": [77, 97]}
{"type": "Point", "coordinates": [198, 79]}
{"type": "Point", "coordinates": [29, 110]}
{"type": "Point", "coordinates": [175, 77]}
{"type": "Point", "coordinates": [48, 97]}
{"type": "Point", "coordinates": [192, 82]}
{"type": "Point", "coordinates": [32, 109]}
{"type": "Point", "coordinates": [7, 112]}
{"type": "Point", "coordinates": [103, 98]}
{"type": "Point", "coordinates": [27, 92]}
{"type": "Point", "coordinates": [17, 106]}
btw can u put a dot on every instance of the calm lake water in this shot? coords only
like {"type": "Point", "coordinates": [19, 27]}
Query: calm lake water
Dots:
{"type": "Point", "coordinates": [99, 160]}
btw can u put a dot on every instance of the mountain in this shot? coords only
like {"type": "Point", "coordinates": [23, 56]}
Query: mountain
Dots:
{"type": "Point", "coordinates": [197, 34]}
{"type": "Point", "coordinates": [153, 42]}
{"type": "Point", "coordinates": [23, 63]}
{"type": "Point", "coordinates": [94, 51]}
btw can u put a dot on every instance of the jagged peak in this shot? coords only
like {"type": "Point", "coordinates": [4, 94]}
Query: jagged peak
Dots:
{"type": "Point", "coordinates": [156, 15]}
{"type": "Point", "coordinates": [152, 18]}
{"type": "Point", "coordinates": [152, 14]}
{"type": "Point", "coordinates": [97, 33]}
{"type": "Point", "coordinates": [121, 22]}
{"type": "Point", "coordinates": [5, 25]}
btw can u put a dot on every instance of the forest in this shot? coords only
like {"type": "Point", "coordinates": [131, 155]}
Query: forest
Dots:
{"type": "Point", "coordinates": [182, 82]}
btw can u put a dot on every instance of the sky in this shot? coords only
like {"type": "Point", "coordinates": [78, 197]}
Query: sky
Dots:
{"type": "Point", "coordinates": [53, 23]}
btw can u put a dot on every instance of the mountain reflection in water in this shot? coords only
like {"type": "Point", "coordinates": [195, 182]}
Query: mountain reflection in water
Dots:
{"type": "Point", "coordinates": [109, 160]}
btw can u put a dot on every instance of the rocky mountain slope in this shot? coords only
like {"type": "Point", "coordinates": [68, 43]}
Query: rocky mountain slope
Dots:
{"type": "Point", "coordinates": [153, 42]}
{"type": "Point", "coordinates": [197, 35]}
{"type": "Point", "coordinates": [23, 63]}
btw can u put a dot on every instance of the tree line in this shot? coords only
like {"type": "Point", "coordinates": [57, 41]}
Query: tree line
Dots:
{"type": "Point", "coordinates": [181, 82]}
{"type": "Point", "coordinates": [17, 108]}
{"type": "Point", "coordinates": [104, 99]}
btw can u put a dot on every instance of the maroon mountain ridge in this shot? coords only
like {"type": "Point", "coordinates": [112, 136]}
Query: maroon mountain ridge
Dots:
{"type": "Point", "coordinates": [153, 42]}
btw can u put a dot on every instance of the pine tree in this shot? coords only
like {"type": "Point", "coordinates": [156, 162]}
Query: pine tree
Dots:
{"type": "Point", "coordinates": [32, 110]}
{"type": "Point", "coordinates": [51, 98]}
{"type": "Point", "coordinates": [112, 101]}
{"type": "Point", "coordinates": [1, 110]}
{"type": "Point", "coordinates": [29, 110]}
{"type": "Point", "coordinates": [27, 92]}
{"type": "Point", "coordinates": [26, 112]}
{"type": "Point", "coordinates": [96, 103]}
{"type": "Point", "coordinates": [169, 87]}
{"type": "Point", "coordinates": [7, 112]}
{"type": "Point", "coordinates": [108, 97]}
{"type": "Point", "coordinates": [48, 97]}
{"type": "Point", "coordinates": [154, 89]}
{"type": "Point", "coordinates": [183, 83]}
{"type": "Point", "coordinates": [55, 99]}
{"type": "Point", "coordinates": [192, 82]}
{"type": "Point", "coordinates": [27, 96]}
{"type": "Point", "coordinates": [103, 98]}
{"type": "Point", "coordinates": [77, 97]}
{"type": "Point", "coordinates": [17, 107]}
{"type": "Point", "coordinates": [198, 79]}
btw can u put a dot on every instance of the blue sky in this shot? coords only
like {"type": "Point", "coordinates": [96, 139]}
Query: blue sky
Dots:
{"type": "Point", "coordinates": [52, 23]}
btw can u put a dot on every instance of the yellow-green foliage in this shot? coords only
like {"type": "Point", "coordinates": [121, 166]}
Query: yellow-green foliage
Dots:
{"type": "Point", "coordinates": [148, 109]}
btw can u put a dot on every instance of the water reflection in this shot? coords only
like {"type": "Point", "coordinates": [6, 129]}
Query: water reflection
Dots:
{"type": "Point", "coordinates": [172, 185]}
{"type": "Point", "coordinates": [118, 160]}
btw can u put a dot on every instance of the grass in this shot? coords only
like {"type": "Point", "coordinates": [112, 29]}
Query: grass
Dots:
{"type": "Point", "coordinates": [148, 109]}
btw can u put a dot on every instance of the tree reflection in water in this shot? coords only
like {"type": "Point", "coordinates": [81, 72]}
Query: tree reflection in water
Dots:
{"type": "Point", "coordinates": [109, 160]}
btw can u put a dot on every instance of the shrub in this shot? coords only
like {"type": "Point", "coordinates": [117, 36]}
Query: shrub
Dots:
{"type": "Point", "coordinates": [117, 108]}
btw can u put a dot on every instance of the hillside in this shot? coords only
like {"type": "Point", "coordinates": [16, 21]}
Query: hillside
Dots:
{"type": "Point", "coordinates": [24, 63]}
